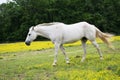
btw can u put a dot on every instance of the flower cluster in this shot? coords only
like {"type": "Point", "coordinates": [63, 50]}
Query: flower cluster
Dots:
{"type": "Point", "coordinates": [86, 75]}
{"type": "Point", "coordinates": [38, 45]}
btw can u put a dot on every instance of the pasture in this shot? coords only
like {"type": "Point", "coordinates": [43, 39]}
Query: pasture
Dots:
{"type": "Point", "coordinates": [19, 62]}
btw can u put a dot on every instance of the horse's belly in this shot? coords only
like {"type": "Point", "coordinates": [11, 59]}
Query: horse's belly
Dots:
{"type": "Point", "coordinates": [72, 37]}
{"type": "Point", "coordinates": [70, 40]}
{"type": "Point", "coordinates": [72, 33]}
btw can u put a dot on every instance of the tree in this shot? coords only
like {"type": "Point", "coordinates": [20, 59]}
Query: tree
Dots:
{"type": "Point", "coordinates": [18, 16]}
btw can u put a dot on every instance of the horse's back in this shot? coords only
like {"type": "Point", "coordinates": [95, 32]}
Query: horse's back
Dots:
{"type": "Point", "coordinates": [77, 31]}
{"type": "Point", "coordinates": [72, 33]}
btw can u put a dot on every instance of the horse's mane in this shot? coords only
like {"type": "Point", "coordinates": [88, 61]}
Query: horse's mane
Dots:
{"type": "Point", "coordinates": [48, 24]}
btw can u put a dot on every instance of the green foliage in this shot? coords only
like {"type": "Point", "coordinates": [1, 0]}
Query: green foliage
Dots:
{"type": "Point", "coordinates": [16, 17]}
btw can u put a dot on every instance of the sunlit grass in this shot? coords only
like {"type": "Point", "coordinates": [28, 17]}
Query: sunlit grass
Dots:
{"type": "Point", "coordinates": [86, 75]}
{"type": "Point", "coordinates": [37, 64]}
{"type": "Point", "coordinates": [38, 45]}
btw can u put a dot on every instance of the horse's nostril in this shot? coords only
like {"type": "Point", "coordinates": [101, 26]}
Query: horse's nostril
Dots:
{"type": "Point", "coordinates": [27, 43]}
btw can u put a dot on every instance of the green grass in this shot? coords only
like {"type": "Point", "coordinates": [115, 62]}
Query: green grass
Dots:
{"type": "Point", "coordinates": [37, 65]}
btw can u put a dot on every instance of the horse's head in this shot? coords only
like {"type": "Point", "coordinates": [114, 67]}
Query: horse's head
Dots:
{"type": "Point", "coordinates": [31, 36]}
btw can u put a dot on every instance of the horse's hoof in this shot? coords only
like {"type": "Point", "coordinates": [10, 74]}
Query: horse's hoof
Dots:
{"type": "Point", "coordinates": [68, 62]}
{"type": "Point", "coordinates": [54, 64]}
{"type": "Point", "coordinates": [101, 58]}
{"type": "Point", "coordinates": [82, 60]}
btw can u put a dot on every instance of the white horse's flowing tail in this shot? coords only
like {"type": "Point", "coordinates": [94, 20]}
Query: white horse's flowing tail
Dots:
{"type": "Point", "coordinates": [105, 37]}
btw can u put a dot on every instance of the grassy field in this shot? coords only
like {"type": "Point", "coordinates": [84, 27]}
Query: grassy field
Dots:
{"type": "Point", "coordinates": [37, 64]}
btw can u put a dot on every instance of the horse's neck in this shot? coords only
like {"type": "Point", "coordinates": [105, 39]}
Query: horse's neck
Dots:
{"type": "Point", "coordinates": [42, 32]}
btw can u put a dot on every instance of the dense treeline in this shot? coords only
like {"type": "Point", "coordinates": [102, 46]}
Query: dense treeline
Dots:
{"type": "Point", "coordinates": [16, 17]}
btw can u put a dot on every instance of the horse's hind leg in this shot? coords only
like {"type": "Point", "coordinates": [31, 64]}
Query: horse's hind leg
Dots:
{"type": "Point", "coordinates": [98, 49]}
{"type": "Point", "coordinates": [84, 48]}
{"type": "Point", "coordinates": [63, 51]}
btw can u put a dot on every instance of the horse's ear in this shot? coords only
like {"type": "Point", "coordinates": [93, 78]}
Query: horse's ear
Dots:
{"type": "Point", "coordinates": [32, 27]}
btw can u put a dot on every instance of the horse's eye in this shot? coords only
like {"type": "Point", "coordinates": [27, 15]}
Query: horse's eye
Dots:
{"type": "Point", "coordinates": [29, 34]}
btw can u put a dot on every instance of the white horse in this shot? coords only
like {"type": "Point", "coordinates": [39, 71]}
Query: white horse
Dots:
{"type": "Point", "coordinates": [60, 33]}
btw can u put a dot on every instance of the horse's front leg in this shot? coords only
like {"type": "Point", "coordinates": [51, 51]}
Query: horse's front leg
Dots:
{"type": "Point", "coordinates": [56, 52]}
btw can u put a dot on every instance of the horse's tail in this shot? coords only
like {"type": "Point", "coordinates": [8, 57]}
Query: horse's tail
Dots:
{"type": "Point", "coordinates": [104, 37]}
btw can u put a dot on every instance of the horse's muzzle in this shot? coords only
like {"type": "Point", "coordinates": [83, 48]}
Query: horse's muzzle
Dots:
{"type": "Point", "coordinates": [27, 43]}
